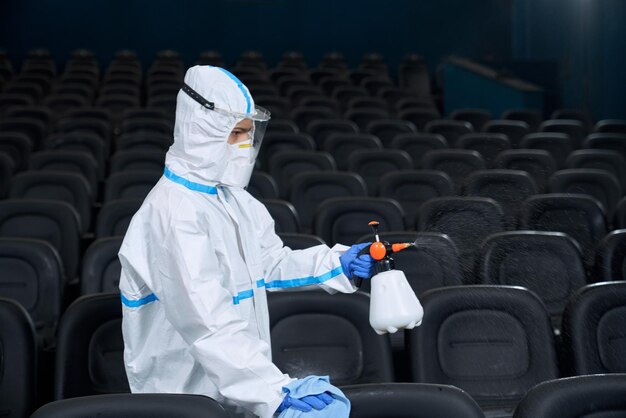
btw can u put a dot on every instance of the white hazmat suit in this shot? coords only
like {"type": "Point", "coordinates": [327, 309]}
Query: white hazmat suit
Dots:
{"type": "Point", "coordinates": [197, 260]}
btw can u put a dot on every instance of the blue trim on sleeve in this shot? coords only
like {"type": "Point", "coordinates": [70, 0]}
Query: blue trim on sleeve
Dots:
{"type": "Point", "coordinates": [135, 303]}
{"type": "Point", "coordinates": [241, 87]}
{"type": "Point", "coordinates": [304, 281]}
{"type": "Point", "coordinates": [196, 187]}
{"type": "Point", "coordinates": [246, 294]}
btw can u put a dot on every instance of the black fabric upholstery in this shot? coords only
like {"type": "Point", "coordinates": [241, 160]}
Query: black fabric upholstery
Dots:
{"type": "Point", "coordinates": [489, 145]}
{"type": "Point", "coordinates": [594, 329]}
{"type": "Point", "coordinates": [285, 165]}
{"type": "Point", "coordinates": [466, 220]}
{"type": "Point", "coordinates": [559, 145]}
{"type": "Point", "coordinates": [341, 145]}
{"type": "Point", "coordinates": [458, 164]}
{"type": "Point", "coordinates": [579, 216]}
{"type": "Point", "coordinates": [89, 357]}
{"type": "Point", "coordinates": [101, 266]}
{"type": "Point", "coordinates": [321, 334]}
{"type": "Point", "coordinates": [539, 164]}
{"type": "Point", "coordinates": [548, 263]}
{"type": "Point", "coordinates": [602, 185]}
{"type": "Point", "coordinates": [262, 186]}
{"type": "Point", "coordinates": [611, 257]}
{"type": "Point", "coordinates": [130, 184]}
{"type": "Point", "coordinates": [600, 159]}
{"type": "Point", "coordinates": [387, 129]}
{"type": "Point", "coordinates": [410, 400]}
{"type": "Point", "coordinates": [137, 160]}
{"type": "Point", "coordinates": [284, 214]}
{"type": "Point", "coordinates": [452, 130]}
{"type": "Point", "coordinates": [416, 145]}
{"type": "Point", "coordinates": [18, 360]}
{"type": "Point", "coordinates": [514, 130]}
{"type": "Point", "coordinates": [309, 190]}
{"type": "Point", "coordinates": [344, 219]}
{"type": "Point", "coordinates": [133, 405]}
{"type": "Point", "coordinates": [54, 222]}
{"type": "Point", "coordinates": [507, 187]}
{"type": "Point", "coordinates": [115, 216]}
{"type": "Point", "coordinates": [79, 162]}
{"type": "Point", "coordinates": [495, 342]}
{"type": "Point", "coordinates": [300, 241]}
{"type": "Point", "coordinates": [600, 396]}
{"type": "Point", "coordinates": [371, 165]}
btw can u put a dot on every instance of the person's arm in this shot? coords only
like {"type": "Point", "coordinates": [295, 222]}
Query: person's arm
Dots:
{"type": "Point", "coordinates": [288, 269]}
{"type": "Point", "coordinates": [189, 285]}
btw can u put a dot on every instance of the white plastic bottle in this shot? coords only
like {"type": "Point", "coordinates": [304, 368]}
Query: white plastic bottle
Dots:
{"type": "Point", "coordinates": [393, 304]}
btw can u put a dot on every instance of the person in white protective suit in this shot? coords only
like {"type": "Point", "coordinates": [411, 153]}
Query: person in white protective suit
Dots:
{"type": "Point", "coordinates": [200, 254]}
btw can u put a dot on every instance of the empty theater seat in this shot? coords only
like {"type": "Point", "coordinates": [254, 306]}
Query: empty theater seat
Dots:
{"type": "Point", "coordinates": [284, 214]}
{"type": "Point", "coordinates": [115, 216]}
{"type": "Point", "coordinates": [593, 329]}
{"type": "Point", "coordinates": [539, 164]}
{"type": "Point", "coordinates": [314, 333]}
{"type": "Point", "coordinates": [607, 160]}
{"type": "Point", "coordinates": [416, 145]}
{"type": "Point", "coordinates": [18, 351]}
{"type": "Point", "coordinates": [89, 355]}
{"type": "Point", "coordinates": [262, 186]}
{"type": "Point", "coordinates": [488, 145]}
{"type": "Point", "coordinates": [602, 185]}
{"type": "Point", "coordinates": [494, 342]}
{"type": "Point", "coordinates": [576, 397]}
{"type": "Point", "coordinates": [410, 400]}
{"type": "Point", "coordinates": [299, 241]}
{"type": "Point", "coordinates": [548, 263]}
{"type": "Point", "coordinates": [458, 164]}
{"type": "Point", "coordinates": [134, 184]}
{"type": "Point", "coordinates": [611, 257]}
{"type": "Point", "coordinates": [345, 219]}
{"type": "Point", "coordinates": [371, 165]}
{"type": "Point", "coordinates": [136, 405]}
{"type": "Point", "coordinates": [101, 266]}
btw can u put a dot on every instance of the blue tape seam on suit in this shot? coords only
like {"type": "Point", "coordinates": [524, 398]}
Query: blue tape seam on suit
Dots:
{"type": "Point", "coordinates": [240, 85]}
{"type": "Point", "coordinates": [135, 303]}
{"type": "Point", "coordinates": [196, 187]}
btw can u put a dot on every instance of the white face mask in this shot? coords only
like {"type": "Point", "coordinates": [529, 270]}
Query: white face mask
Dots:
{"type": "Point", "coordinates": [239, 166]}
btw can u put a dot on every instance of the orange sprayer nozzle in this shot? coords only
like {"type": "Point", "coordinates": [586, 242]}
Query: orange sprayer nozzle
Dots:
{"type": "Point", "coordinates": [400, 246]}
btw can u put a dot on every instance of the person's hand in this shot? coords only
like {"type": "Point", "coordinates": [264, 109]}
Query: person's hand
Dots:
{"type": "Point", "coordinates": [355, 265]}
{"type": "Point", "coordinates": [306, 403]}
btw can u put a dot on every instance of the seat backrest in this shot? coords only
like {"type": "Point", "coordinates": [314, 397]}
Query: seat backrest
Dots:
{"type": "Point", "coordinates": [450, 129]}
{"type": "Point", "coordinates": [321, 334]}
{"type": "Point", "coordinates": [539, 164]}
{"type": "Point", "coordinates": [507, 187]}
{"type": "Point", "coordinates": [578, 215]}
{"type": "Point", "coordinates": [432, 262]}
{"type": "Point", "coordinates": [308, 190]}
{"type": "Point", "coordinates": [559, 145]}
{"type": "Point", "coordinates": [608, 160]}
{"type": "Point", "coordinates": [138, 405]}
{"type": "Point", "coordinates": [71, 188]}
{"type": "Point", "coordinates": [420, 117]}
{"type": "Point", "coordinates": [262, 186]}
{"type": "Point", "coordinates": [285, 165]}
{"type": "Point", "coordinates": [387, 129]}
{"type": "Point", "coordinates": [476, 117]}
{"type": "Point", "coordinates": [548, 263]}
{"type": "Point", "coordinates": [488, 145]}
{"type": "Point", "coordinates": [284, 214]}
{"type": "Point", "coordinates": [17, 146]}
{"type": "Point", "coordinates": [345, 219]}
{"type": "Point", "coordinates": [371, 165]}
{"type": "Point", "coordinates": [79, 141]}
{"type": "Point", "coordinates": [340, 146]}
{"type": "Point", "coordinates": [515, 130]}
{"type": "Point", "coordinates": [115, 216]}
{"type": "Point", "coordinates": [101, 267]}
{"type": "Point", "coordinates": [466, 220]}
{"type": "Point", "coordinates": [458, 164]}
{"type": "Point", "coordinates": [416, 145]}
{"type": "Point", "coordinates": [617, 126]}
{"type": "Point", "coordinates": [134, 184]}
{"type": "Point", "coordinates": [137, 160]}
{"type": "Point", "coordinates": [532, 117]}
{"type": "Point", "coordinates": [53, 222]}
{"type": "Point", "coordinates": [144, 141]}
{"type": "Point", "coordinates": [575, 129]}
{"type": "Point", "coordinates": [593, 329]}
{"type": "Point", "coordinates": [600, 396]}
{"type": "Point", "coordinates": [610, 141]}
{"type": "Point", "coordinates": [30, 274]}
{"type": "Point", "coordinates": [18, 361]}
{"type": "Point", "coordinates": [321, 129]}
{"type": "Point", "coordinates": [611, 257]}
{"type": "Point", "coordinates": [601, 184]}
{"type": "Point", "coordinates": [494, 342]}
{"type": "Point", "coordinates": [7, 166]}
{"type": "Point", "coordinates": [79, 162]}
{"type": "Point", "coordinates": [89, 356]}
{"type": "Point", "coordinates": [282, 141]}
{"type": "Point", "coordinates": [410, 400]}
{"type": "Point", "coordinates": [299, 241]}
{"type": "Point", "coordinates": [412, 188]}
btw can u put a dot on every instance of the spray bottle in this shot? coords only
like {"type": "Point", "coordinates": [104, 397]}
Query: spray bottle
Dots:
{"type": "Point", "coordinates": [393, 304]}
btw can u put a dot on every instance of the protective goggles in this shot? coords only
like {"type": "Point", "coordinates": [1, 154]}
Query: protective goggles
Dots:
{"type": "Point", "coordinates": [260, 118]}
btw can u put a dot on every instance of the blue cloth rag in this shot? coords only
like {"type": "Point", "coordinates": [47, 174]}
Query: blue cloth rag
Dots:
{"type": "Point", "coordinates": [314, 385]}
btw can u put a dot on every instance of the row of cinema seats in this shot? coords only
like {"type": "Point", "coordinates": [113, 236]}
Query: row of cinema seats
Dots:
{"type": "Point", "coordinates": [565, 398]}
{"type": "Point", "coordinates": [493, 342]}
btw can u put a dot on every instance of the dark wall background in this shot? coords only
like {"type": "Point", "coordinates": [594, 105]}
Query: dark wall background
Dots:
{"type": "Point", "coordinates": [576, 49]}
{"type": "Point", "coordinates": [477, 28]}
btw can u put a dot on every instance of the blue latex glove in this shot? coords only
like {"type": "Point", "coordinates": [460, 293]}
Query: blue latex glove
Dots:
{"type": "Point", "coordinates": [306, 403]}
{"type": "Point", "coordinates": [355, 265]}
